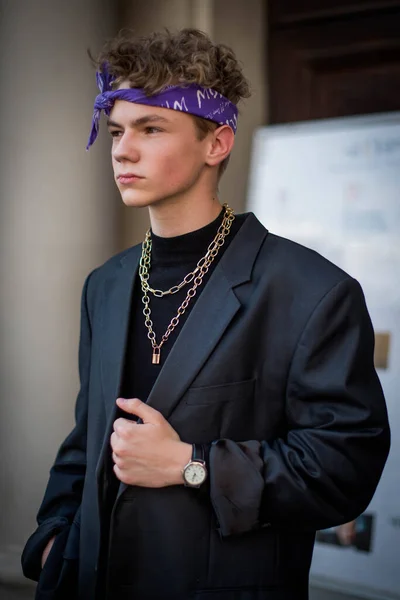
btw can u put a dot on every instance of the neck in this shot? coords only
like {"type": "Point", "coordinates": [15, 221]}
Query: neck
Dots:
{"type": "Point", "coordinates": [184, 216]}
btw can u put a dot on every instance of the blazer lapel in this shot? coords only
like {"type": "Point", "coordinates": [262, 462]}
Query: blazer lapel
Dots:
{"type": "Point", "coordinates": [116, 315]}
{"type": "Point", "coordinates": [209, 318]}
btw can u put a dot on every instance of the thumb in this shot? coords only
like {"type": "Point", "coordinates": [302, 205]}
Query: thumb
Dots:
{"type": "Point", "coordinates": [134, 406]}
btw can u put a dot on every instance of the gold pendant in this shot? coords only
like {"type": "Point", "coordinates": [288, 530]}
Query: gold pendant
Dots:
{"type": "Point", "coordinates": [156, 356]}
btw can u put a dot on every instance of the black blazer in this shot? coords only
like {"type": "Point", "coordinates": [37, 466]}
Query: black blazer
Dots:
{"type": "Point", "coordinates": [273, 370]}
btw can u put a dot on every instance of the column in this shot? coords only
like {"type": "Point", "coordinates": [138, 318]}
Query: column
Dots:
{"type": "Point", "coordinates": [58, 220]}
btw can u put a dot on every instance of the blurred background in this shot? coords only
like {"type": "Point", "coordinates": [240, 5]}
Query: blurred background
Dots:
{"type": "Point", "coordinates": [61, 215]}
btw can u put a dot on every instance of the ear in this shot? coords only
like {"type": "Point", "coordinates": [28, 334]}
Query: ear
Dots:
{"type": "Point", "coordinates": [221, 145]}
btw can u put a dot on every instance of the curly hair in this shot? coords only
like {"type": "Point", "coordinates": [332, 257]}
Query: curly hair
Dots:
{"type": "Point", "coordinates": [163, 58]}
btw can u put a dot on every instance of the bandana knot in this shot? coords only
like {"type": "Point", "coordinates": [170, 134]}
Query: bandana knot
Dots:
{"type": "Point", "coordinates": [104, 102]}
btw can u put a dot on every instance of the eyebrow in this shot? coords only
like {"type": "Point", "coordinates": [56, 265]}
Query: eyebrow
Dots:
{"type": "Point", "coordinates": [139, 122]}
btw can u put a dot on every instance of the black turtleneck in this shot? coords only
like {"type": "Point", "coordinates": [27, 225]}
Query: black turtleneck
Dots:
{"type": "Point", "coordinates": [171, 260]}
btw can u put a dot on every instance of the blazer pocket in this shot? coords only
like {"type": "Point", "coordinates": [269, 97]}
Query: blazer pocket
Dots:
{"type": "Point", "coordinates": [32, 555]}
{"type": "Point", "coordinates": [59, 577]}
{"type": "Point", "coordinates": [229, 392]}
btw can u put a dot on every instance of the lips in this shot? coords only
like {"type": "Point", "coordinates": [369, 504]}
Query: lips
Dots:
{"type": "Point", "coordinates": [126, 178]}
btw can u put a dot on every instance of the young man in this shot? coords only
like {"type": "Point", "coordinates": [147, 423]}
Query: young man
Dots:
{"type": "Point", "coordinates": [229, 405]}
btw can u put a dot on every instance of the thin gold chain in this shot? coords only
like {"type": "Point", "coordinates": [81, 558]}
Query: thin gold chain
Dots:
{"type": "Point", "coordinates": [201, 269]}
{"type": "Point", "coordinates": [144, 273]}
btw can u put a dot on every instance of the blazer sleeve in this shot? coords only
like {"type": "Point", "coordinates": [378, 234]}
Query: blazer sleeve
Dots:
{"type": "Point", "coordinates": [325, 469]}
{"type": "Point", "coordinates": [64, 489]}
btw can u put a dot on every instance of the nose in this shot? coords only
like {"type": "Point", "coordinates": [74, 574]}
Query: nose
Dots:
{"type": "Point", "coordinates": [125, 149]}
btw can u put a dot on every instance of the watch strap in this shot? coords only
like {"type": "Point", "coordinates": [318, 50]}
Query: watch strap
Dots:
{"type": "Point", "coordinates": [198, 452]}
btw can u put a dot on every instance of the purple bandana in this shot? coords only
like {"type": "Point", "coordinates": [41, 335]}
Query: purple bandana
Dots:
{"type": "Point", "coordinates": [193, 99]}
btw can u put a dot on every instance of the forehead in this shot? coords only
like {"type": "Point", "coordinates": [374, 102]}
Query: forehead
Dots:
{"type": "Point", "coordinates": [125, 112]}
{"type": "Point", "coordinates": [123, 109]}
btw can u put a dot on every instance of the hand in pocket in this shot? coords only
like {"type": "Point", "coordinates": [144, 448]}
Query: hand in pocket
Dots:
{"type": "Point", "coordinates": [46, 551]}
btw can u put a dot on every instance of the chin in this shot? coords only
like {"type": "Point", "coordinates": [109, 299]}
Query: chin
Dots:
{"type": "Point", "coordinates": [135, 203]}
{"type": "Point", "coordinates": [135, 199]}
{"type": "Point", "coordinates": [138, 199]}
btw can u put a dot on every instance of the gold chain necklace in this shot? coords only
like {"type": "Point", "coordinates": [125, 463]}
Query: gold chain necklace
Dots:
{"type": "Point", "coordinates": [196, 276]}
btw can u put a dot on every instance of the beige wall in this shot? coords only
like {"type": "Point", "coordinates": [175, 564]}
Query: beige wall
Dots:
{"type": "Point", "coordinates": [58, 221]}
{"type": "Point", "coordinates": [242, 25]}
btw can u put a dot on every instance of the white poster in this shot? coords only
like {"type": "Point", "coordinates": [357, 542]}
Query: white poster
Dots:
{"type": "Point", "coordinates": [334, 186]}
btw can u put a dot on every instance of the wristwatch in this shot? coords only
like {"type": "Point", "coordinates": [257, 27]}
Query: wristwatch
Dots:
{"type": "Point", "coordinates": [195, 472]}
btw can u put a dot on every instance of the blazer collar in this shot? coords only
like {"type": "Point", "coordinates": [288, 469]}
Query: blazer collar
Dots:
{"type": "Point", "coordinates": [238, 260]}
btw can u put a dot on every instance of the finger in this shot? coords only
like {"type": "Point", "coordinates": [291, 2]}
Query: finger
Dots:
{"type": "Point", "coordinates": [134, 406]}
{"type": "Point", "coordinates": [120, 474]}
{"type": "Point", "coordinates": [117, 471]}
{"type": "Point", "coordinates": [116, 459]}
{"type": "Point", "coordinates": [118, 445]}
{"type": "Point", "coordinates": [113, 440]}
{"type": "Point", "coordinates": [123, 427]}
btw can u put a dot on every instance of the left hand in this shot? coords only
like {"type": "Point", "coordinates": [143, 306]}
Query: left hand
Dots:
{"type": "Point", "coordinates": [149, 454]}
{"type": "Point", "coordinates": [346, 533]}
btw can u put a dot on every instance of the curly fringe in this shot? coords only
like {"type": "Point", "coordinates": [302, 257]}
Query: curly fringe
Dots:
{"type": "Point", "coordinates": [163, 58]}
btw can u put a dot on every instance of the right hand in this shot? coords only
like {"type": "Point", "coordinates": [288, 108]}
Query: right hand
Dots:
{"type": "Point", "coordinates": [46, 551]}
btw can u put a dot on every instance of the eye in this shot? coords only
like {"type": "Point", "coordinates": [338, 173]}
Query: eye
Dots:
{"type": "Point", "coordinates": [115, 133]}
{"type": "Point", "coordinates": [151, 130]}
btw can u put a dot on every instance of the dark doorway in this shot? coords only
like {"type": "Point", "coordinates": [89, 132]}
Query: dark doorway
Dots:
{"type": "Point", "coordinates": [333, 58]}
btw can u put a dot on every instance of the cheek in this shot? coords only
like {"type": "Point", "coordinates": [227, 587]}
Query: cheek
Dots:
{"type": "Point", "coordinates": [178, 167]}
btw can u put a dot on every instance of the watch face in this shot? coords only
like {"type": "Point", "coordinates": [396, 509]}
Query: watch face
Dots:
{"type": "Point", "coordinates": [195, 474]}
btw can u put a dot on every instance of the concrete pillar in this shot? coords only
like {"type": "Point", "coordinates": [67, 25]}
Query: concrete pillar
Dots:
{"type": "Point", "coordinates": [203, 16]}
{"type": "Point", "coordinates": [242, 25]}
{"type": "Point", "coordinates": [58, 220]}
